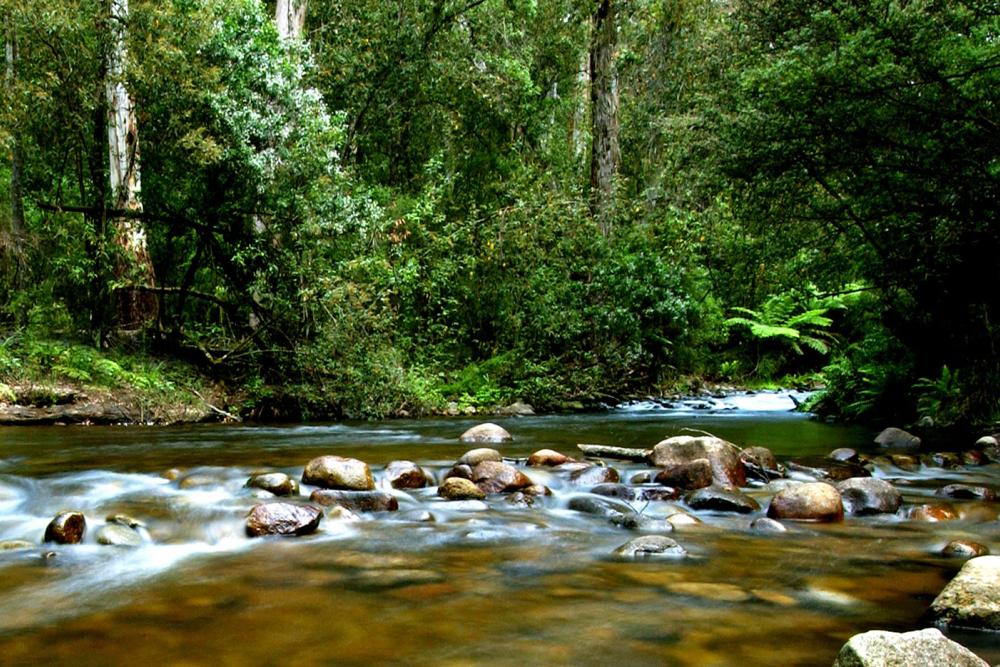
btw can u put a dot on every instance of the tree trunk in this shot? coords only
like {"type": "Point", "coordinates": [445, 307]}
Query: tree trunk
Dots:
{"type": "Point", "coordinates": [604, 152]}
{"type": "Point", "coordinates": [135, 308]}
{"type": "Point", "coordinates": [13, 245]}
{"type": "Point", "coordinates": [290, 18]}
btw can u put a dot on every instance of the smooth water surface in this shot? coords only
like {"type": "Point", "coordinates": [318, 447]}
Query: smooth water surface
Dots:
{"type": "Point", "coordinates": [493, 584]}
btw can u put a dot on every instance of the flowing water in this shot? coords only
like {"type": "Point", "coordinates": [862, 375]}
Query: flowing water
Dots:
{"type": "Point", "coordinates": [491, 584]}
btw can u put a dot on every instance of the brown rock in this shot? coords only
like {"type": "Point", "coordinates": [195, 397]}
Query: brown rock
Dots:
{"type": "Point", "coordinates": [459, 470]}
{"type": "Point", "coordinates": [966, 492]}
{"type": "Point", "coordinates": [493, 477]}
{"type": "Point", "coordinates": [727, 468]}
{"type": "Point", "coordinates": [815, 502]}
{"type": "Point", "coordinates": [67, 527]}
{"type": "Point", "coordinates": [932, 513]}
{"type": "Point", "coordinates": [283, 519]}
{"type": "Point", "coordinates": [964, 549]}
{"type": "Point", "coordinates": [405, 475]}
{"type": "Point", "coordinates": [459, 488]}
{"type": "Point", "coordinates": [486, 433]}
{"type": "Point", "coordinates": [356, 501]}
{"type": "Point", "coordinates": [474, 457]}
{"type": "Point", "coordinates": [869, 495]}
{"type": "Point", "coordinates": [687, 476]}
{"type": "Point", "coordinates": [337, 472]}
{"type": "Point", "coordinates": [547, 457]}
{"type": "Point", "coordinates": [592, 475]}
{"type": "Point", "coordinates": [760, 463]}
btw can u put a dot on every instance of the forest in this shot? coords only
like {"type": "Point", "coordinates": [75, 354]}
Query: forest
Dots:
{"type": "Point", "coordinates": [367, 208]}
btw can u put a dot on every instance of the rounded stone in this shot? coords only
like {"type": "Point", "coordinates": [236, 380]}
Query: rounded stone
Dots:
{"type": "Point", "coordinates": [497, 477]}
{"type": "Point", "coordinates": [760, 463]}
{"type": "Point", "coordinates": [814, 501]}
{"type": "Point", "coordinates": [66, 527]}
{"type": "Point", "coordinates": [869, 495]}
{"type": "Point", "coordinates": [487, 432]}
{"type": "Point", "coordinates": [283, 519]}
{"type": "Point", "coordinates": [115, 534]}
{"type": "Point", "coordinates": [547, 457]}
{"type": "Point", "coordinates": [459, 488]}
{"type": "Point", "coordinates": [844, 454]}
{"type": "Point", "coordinates": [932, 513]}
{"type": "Point", "coordinates": [720, 499]}
{"type": "Point", "coordinates": [660, 493]}
{"type": "Point", "coordinates": [897, 438]}
{"type": "Point", "coordinates": [650, 546]}
{"type": "Point", "coordinates": [880, 648]}
{"type": "Point", "coordinates": [459, 470]}
{"type": "Point", "coordinates": [338, 472]}
{"type": "Point", "coordinates": [966, 492]}
{"type": "Point", "coordinates": [474, 457]}
{"type": "Point", "coordinates": [593, 475]}
{"type": "Point", "coordinates": [964, 549]}
{"type": "Point", "coordinates": [405, 475]}
{"type": "Point", "coordinates": [611, 490]}
{"type": "Point", "coordinates": [727, 468]}
{"type": "Point", "coordinates": [277, 483]}
{"type": "Point", "coordinates": [767, 526]}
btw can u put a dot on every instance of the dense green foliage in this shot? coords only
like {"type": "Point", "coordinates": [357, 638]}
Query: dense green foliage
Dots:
{"type": "Point", "coordinates": [394, 211]}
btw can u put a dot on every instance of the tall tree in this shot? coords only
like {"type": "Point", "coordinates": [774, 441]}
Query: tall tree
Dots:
{"type": "Point", "coordinates": [135, 307]}
{"type": "Point", "coordinates": [16, 232]}
{"type": "Point", "coordinates": [604, 151]}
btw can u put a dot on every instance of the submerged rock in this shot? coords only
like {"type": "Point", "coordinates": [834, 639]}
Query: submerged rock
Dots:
{"type": "Point", "coordinates": [593, 475]}
{"type": "Point", "coordinates": [651, 546]}
{"type": "Point", "coordinates": [932, 513]}
{"type": "Point", "coordinates": [948, 460]}
{"type": "Point", "coordinates": [966, 492]}
{"type": "Point", "coordinates": [612, 490]}
{"type": "Point", "coordinates": [66, 527]}
{"type": "Point", "coordinates": [869, 495]}
{"type": "Point", "coordinates": [815, 501]}
{"type": "Point", "coordinates": [898, 439]}
{"type": "Point", "coordinates": [879, 648]}
{"type": "Point", "coordinates": [115, 534]}
{"type": "Point", "coordinates": [767, 526]}
{"type": "Point", "coordinates": [687, 476]}
{"type": "Point", "coordinates": [972, 598]}
{"type": "Point", "coordinates": [356, 501]}
{"type": "Point", "coordinates": [15, 545]}
{"type": "Point", "coordinates": [283, 519]}
{"type": "Point", "coordinates": [487, 432]}
{"type": "Point", "coordinates": [825, 468]}
{"type": "Point", "coordinates": [720, 499]}
{"type": "Point", "coordinates": [338, 472]}
{"type": "Point", "coordinates": [277, 483]}
{"type": "Point", "coordinates": [660, 493]}
{"type": "Point", "coordinates": [405, 475]}
{"type": "Point", "coordinates": [459, 488]}
{"type": "Point", "coordinates": [727, 468]}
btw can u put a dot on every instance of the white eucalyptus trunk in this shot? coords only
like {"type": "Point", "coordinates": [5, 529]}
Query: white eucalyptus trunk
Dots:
{"type": "Point", "coordinates": [135, 308]}
{"type": "Point", "coordinates": [290, 18]}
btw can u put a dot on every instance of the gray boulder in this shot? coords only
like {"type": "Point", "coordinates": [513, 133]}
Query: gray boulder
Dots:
{"type": "Point", "coordinates": [898, 439]}
{"type": "Point", "coordinates": [972, 598]}
{"type": "Point", "coordinates": [687, 476]}
{"type": "Point", "coordinates": [486, 433]}
{"type": "Point", "coordinates": [720, 499]}
{"type": "Point", "coordinates": [922, 648]}
{"type": "Point", "coordinates": [869, 495]}
{"type": "Point", "coordinates": [651, 546]}
{"type": "Point", "coordinates": [356, 501]}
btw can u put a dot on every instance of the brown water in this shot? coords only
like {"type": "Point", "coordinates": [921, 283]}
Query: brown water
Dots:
{"type": "Point", "coordinates": [494, 585]}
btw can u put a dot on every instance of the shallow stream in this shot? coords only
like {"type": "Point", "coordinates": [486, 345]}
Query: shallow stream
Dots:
{"type": "Point", "coordinates": [479, 585]}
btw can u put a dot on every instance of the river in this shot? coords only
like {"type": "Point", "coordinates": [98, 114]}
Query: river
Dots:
{"type": "Point", "coordinates": [494, 585]}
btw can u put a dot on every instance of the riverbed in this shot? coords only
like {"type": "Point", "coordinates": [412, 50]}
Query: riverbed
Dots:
{"type": "Point", "coordinates": [444, 583]}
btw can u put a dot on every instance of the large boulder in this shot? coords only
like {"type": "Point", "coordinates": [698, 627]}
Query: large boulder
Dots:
{"type": "Point", "coordinates": [720, 499]}
{"type": "Point", "coordinates": [972, 598]}
{"type": "Point", "coordinates": [474, 457]}
{"type": "Point", "coordinates": [283, 519]}
{"type": "Point", "coordinates": [687, 476]}
{"type": "Point", "coordinates": [337, 472]}
{"type": "Point", "coordinates": [486, 433]}
{"type": "Point", "coordinates": [405, 475]}
{"type": "Point", "coordinates": [356, 501]}
{"type": "Point", "coordinates": [67, 527]}
{"type": "Point", "coordinates": [277, 483]}
{"type": "Point", "coordinates": [815, 501]}
{"type": "Point", "coordinates": [879, 648]}
{"type": "Point", "coordinates": [496, 477]}
{"type": "Point", "coordinates": [727, 468]}
{"type": "Point", "coordinates": [869, 495]}
{"type": "Point", "coordinates": [898, 439]}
